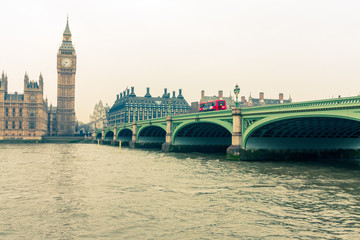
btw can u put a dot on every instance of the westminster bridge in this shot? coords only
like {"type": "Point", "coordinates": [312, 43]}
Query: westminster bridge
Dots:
{"type": "Point", "coordinates": [330, 126]}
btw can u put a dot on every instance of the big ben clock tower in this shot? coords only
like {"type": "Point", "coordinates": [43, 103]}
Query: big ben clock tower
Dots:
{"type": "Point", "coordinates": [66, 68]}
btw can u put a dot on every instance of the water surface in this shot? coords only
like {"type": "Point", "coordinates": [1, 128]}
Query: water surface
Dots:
{"type": "Point", "coordinates": [78, 191]}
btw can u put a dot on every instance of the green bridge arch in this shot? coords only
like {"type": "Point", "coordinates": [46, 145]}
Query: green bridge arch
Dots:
{"type": "Point", "coordinates": [120, 130]}
{"type": "Point", "coordinates": [326, 138]}
{"type": "Point", "coordinates": [151, 133]}
{"type": "Point", "coordinates": [98, 135]}
{"type": "Point", "coordinates": [217, 130]}
{"type": "Point", "coordinates": [124, 134]}
{"type": "Point", "coordinates": [108, 135]}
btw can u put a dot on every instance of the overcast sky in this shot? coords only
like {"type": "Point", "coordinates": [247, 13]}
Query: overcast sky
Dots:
{"type": "Point", "coordinates": [307, 48]}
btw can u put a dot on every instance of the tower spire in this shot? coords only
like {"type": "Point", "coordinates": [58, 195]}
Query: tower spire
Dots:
{"type": "Point", "coordinates": [67, 42]}
{"type": "Point", "coordinates": [26, 77]}
{"type": "Point", "coordinates": [67, 29]}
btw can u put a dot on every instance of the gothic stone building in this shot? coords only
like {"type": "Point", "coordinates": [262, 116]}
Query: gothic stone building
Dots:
{"type": "Point", "coordinates": [23, 116]}
{"type": "Point", "coordinates": [27, 116]}
{"type": "Point", "coordinates": [128, 107]}
{"type": "Point", "coordinates": [98, 118]}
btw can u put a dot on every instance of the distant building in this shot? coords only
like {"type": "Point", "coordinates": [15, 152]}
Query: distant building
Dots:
{"type": "Point", "coordinates": [230, 102]}
{"type": "Point", "coordinates": [263, 101]}
{"type": "Point", "coordinates": [194, 107]}
{"type": "Point", "coordinates": [52, 123]}
{"type": "Point", "coordinates": [98, 119]}
{"type": "Point", "coordinates": [128, 107]}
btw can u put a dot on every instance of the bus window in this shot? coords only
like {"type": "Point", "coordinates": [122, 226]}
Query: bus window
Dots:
{"type": "Point", "coordinates": [221, 103]}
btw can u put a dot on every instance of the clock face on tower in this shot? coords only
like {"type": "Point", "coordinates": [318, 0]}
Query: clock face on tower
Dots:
{"type": "Point", "coordinates": [66, 62]}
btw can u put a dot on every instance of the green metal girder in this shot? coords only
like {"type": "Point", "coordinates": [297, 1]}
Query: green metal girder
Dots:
{"type": "Point", "coordinates": [122, 129]}
{"type": "Point", "coordinates": [350, 114]}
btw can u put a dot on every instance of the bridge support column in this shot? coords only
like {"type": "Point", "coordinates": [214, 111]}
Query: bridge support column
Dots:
{"type": "Point", "coordinates": [166, 147]}
{"type": "Point", "coordinates": [236, 141]}
{"type": "Point", "coordinates": [114, 137]}
{"type": "Point", "coordinates": [133, 139]}
{"type": "Point", "coordinates": [114, 142]}
{"type": "Point", "coordinates": [102, 135]}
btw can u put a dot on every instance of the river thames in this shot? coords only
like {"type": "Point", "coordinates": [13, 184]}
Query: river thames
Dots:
{"type": "Point", "coordinates": [80, 191]}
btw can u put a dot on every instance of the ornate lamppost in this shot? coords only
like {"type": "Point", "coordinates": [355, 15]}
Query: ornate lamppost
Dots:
{"type": "Point", "coordinates": [237, 91]}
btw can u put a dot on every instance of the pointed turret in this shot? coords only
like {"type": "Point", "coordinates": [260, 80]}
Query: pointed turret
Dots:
{"type": "Point", "coordinates": [26, 81]}
{"type": "Point", "coordinates": [5, 83]}
{"type": "Point", "coordinates": [2, 79]}
{"type": "Point", "coordinates": [41, 81]}
{"type": "Point", "coordinates": [26, 77]}
{"type": "Point", "coordinates": [3, 86]}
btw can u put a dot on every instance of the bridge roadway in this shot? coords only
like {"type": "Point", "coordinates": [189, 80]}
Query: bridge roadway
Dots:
{"type": "Point", "coordinates": [321, 128]}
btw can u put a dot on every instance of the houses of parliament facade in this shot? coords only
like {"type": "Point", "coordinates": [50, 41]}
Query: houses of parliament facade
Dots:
{"type": "Point", "coordinates": [27, 115]}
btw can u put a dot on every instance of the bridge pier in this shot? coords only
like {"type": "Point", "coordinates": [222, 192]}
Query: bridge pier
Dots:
{"type": "Point", "coordinates": [102, 135]}
{"type": "Point", "coordinates": [167, 146]}
{"type": "Point", "coordinates": [236, 141]}
{"type": "Point", "coordinates": [114, 137]}
{"type": "Point", "coordinates": [132, 144]}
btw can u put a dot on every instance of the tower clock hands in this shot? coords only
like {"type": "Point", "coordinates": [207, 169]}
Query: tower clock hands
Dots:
{"type": "Point", "coordinates": [66, 62]}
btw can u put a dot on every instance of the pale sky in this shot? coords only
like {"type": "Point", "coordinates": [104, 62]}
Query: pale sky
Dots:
{"type": "Point", "coordinates": [307, 48]}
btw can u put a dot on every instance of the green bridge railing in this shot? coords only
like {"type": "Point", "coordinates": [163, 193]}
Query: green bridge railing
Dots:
{"type": "Point", "coordinates": [326, 104]}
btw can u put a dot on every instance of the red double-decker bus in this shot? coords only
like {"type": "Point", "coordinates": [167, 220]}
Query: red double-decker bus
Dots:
{"type": "Point", "coordinates": [215, 105]}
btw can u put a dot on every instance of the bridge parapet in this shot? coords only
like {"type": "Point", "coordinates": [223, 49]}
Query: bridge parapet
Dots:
{"type": "Point", "coordinates": [326, 104]}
